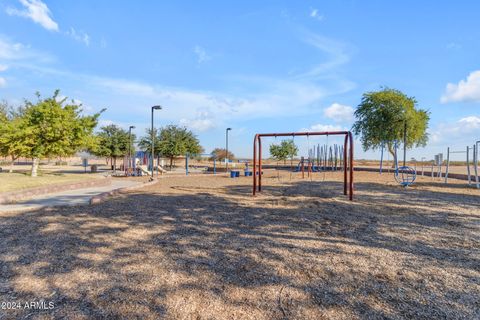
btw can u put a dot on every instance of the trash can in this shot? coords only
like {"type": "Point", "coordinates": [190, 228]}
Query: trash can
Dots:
{"type": "Point", "coordinates": [232, 174]}
{"type": "Point", "coordinates": [93, 168]}
{"type": "Point", "coordinates": [237, 174]}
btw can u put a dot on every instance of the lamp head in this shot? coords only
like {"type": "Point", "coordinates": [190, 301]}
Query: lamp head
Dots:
{"type": "Point", "coordinates": [157, 107]}
{"type": "Point", "coordinates": [131, 127]}
{"type": "Point", "coordinates": [228, 129]}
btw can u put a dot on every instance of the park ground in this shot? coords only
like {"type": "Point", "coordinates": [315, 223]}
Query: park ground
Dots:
{"type": "Point", "coordinates": [201, 247]}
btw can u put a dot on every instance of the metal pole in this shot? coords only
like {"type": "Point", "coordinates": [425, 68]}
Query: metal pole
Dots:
{"type": "Point", "coordinates": [405, 144]}
{"type": "Point", "coordinates": [226, 149]}
{"type": "Point", "coordinates": [153, 142]}
{"type": "Point", "coordinates": [255, 164]}
{"type": "Point", "coordinates": [448, 164]}
{"type": "Point", "coordinates": [468, 166]}
{"type": "Point", "coordinates": [345, 157]}
{"type": "Point", "coordinates": [259, 164]}
{"type": "Point", "coordinates": [351, 165]}
{"type": "Point", "coordinates": [186, 164]}
{"type": "Point", "coordinates": [475, 163]}
{"type": "Point", "coordinates": [129, 146]}
{"type": "Point", "coordinates": [395, 156]}
{"type": "Point", "coordinates": [153, 138]}
{"type": "Point", "coordinates": [302, 167]}
{"type": "Point", "coordinates": [432, 174]}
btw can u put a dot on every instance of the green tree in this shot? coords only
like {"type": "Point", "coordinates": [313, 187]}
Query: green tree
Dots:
{"type": "Point", "coordinates": [113, 142]}
{"type": "Point", "coordinates": [382, 116]}
{"type": "Point", "coordinates": [175, 141]}
{"type": "Point", "coordinates": [11, 136]}
{"type": "Point", "coordinates": [52, 127]}
{"type": "Point", "coordinates": [220, 154]}
{"type": "Point", "coordinates": [145, 142]}
{"type": "Point", "coordinates": [286, 149]}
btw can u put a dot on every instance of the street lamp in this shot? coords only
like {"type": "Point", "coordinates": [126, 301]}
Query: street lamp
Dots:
{"type": "Point", "coordinates": [153, 137]}
{"type": "Point", "coordinates": [226, 149]}
{"type": "Point", "coordinates": [130, 146]}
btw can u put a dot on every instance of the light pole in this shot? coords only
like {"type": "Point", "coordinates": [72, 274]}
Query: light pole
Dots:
{"type": "Point", "coordinates": [153, 137]}
{"type": "Point", "coordinates": [130, 146]}
{"type": "Point", "coordinates": [226, 149]}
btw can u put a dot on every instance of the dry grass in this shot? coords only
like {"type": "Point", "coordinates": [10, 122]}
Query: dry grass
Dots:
{"type": "Point", "coordinates": [21, 181]}
{"type": "Point", "coordinates": [203, 248]}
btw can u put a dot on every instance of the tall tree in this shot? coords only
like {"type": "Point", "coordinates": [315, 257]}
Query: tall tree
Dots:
{"type": "Point", "coordinates": [175, 141]}
{"type": "Point", "coordinates": [53, 127]}
{"type": "Point", "coordinates": [286, 149]}
{"type": "Point", "coordinates": [382, 117]}
{"type": "Point", "coordinates": [113, 142]}
{"type": "Point", "coordinates": [221, 153]}
{"type": "Point", "coordinates": [145, 142]}
{"type": "Point", "coordinates": [11, 136]}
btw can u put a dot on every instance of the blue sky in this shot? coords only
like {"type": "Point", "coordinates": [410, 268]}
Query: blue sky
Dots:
{"type": "Point", "coordinates": [255, 66]}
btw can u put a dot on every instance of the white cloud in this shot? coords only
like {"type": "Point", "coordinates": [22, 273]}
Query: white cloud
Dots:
{"type": "Point", "coordinates": [336, 51]}
{"type": "Point", "coordinates": [454, 133]}
{"type": "Point", "coordinates": [201, 54]}
{"type": "Point", "coordinates": [314, 14]}
{"type": "Point", "coordinates": [14, 51]}
{"type": "Point", "coordinates": [323, 127]}
{"type": "Point", "coordinates": [198, 124]}
{"type": "Point", "coordinates": [469, 123]}
{"type": "Point", "coordinates": [339, 112]}
{"type": "Point", "coordinates": [261, 97]}
{"type": "Point", "coordinates": [79, 36]}
{"type": "Point", "coordinates": [273, 97]}
{"type": "Point", "coordinates": [3, 67]}
{"type": "Point", "coordinates": [37, 11]}
{"type": "Point", "coordinates": [9, 50]}
{"type": "Point", "coordinates": [465, 91]}
{"type": "Point", "coordinates": [203, 121]}
{"type": "Point", "coordinates": [3, 82]}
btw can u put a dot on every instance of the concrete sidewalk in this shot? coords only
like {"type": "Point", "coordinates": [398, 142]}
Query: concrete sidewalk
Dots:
{"type": "Point", "coordinates": [66, 198]}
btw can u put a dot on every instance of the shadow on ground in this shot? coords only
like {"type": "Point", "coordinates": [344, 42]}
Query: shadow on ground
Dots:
{"type": "Point", "coordinates": [297, 251]}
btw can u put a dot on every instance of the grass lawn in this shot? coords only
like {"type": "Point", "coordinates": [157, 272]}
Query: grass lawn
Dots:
{"type": "Point", "coordinates": [20, 181]}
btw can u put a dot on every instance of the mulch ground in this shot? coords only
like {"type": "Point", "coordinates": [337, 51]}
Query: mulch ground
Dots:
{"type": "Point", "coordinates": [203, 248]}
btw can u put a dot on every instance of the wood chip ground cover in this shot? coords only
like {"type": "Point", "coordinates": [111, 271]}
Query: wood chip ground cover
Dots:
{"type": "Point", "coordinates": [203, 248]}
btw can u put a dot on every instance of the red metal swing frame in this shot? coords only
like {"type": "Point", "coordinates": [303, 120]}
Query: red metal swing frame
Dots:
{"type": "Point", "coordinates": [347, 169]}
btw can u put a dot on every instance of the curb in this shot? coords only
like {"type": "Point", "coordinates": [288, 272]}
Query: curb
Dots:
{"type": "Point", "coordinates": [99, 198]}
{"type": "Point", "coordinates": [12, 197]}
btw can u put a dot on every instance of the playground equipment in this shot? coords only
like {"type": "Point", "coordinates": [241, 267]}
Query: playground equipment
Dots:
{"type": "Point", "coordinates": [404, 175]}
{"type": "Point", "coordinates": [474, 148]}
{"type": "Point", "coordinates": [200, 156]}
{"type": "Point", "coordinates": [347, 156]}
{"type": "Point", "coordinates": [326, 157]}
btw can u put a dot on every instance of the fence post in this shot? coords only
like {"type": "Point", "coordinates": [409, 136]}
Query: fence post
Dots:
{"type": "Point", "coordinates": [448, 164]}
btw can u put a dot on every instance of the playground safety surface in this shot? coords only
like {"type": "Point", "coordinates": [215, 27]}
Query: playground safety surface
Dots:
{"type": "Point", "coordinates": [201, 247]}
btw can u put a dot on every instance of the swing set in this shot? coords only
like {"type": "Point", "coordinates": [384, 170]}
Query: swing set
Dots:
{"type": "Point", "coordinates": [347, 157]}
